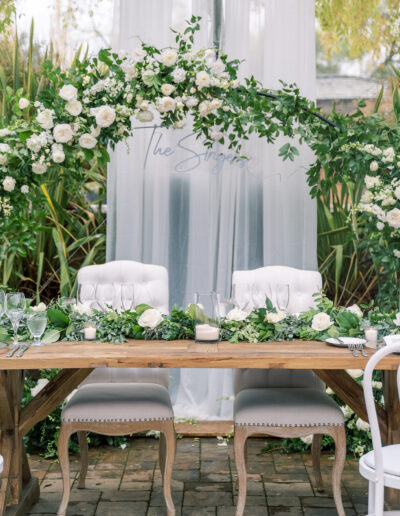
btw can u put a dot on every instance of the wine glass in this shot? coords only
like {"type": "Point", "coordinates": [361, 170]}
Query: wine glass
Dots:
{"type": "Point", "coordinates": [66, 302]}
{"type": "Point", "coordinates": [37, 322]}
{"type": "Point", "coordinates": [15, 309]}
{"type": "Point", "coordinates": [282, 296]}
{"type": "Point", "coordinates": [259, 293]}
{"type": "Point", "coordinates": [127, 296]}
{"type": "Point", "coordinates": [105, 296]}
{"type": "Point", "coordinates": [240, 298]}
{"type": "Point", "coordinates": [86, 294]}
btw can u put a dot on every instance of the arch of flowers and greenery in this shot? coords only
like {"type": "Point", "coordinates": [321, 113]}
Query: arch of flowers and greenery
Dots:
{"type": "Point", "coordinates": [90, 107]}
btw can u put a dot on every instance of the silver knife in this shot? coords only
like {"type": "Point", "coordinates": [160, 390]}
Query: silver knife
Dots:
{"type": "Point", "coordinates": [13, 350]}
{"type": "Point", "coordinates": [22, 350]}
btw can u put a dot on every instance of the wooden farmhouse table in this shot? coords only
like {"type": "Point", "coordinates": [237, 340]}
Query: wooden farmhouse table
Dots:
{"type": "Point", "coordinates": [77, 359]}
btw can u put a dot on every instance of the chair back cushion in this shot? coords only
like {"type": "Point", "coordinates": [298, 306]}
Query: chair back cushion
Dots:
{"type": "Point", "coordinates": [302, 286]}
{"type": "Point", "coordinates": [150, 281]}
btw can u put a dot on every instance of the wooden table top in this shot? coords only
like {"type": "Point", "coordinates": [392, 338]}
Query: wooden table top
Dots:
{"type": "Point", "coordinates": [181, 354]}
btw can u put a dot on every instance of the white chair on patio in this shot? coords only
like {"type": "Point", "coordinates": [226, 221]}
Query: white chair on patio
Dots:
{"type": "Point", "coordinates": [381, 466]}
{"type": "Point", "coordinates": [304, 408]}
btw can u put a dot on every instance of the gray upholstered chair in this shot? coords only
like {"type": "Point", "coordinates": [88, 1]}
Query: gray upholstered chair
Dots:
{"type": "Point", "coordinates": [302, 285]}
{"type": "Point", "coordinates": [118, 409]}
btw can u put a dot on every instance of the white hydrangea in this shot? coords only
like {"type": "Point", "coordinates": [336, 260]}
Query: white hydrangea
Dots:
{"type": "Point", "coordinates": [23, 103]}
{"type": "Point", "coordinates": [388, 155]}
{"type": "Point", "coordinates": [202, 79]}
{"type": "Point", "coordinates": [68, 92]}
{"type": "Point", "coordinates": [87, 141]}
{"type": "Point", "coordinates": [9, 183]}
{"type": "Point", "coordinates": [74, 107]}
{"type": "Point", "coordinates": [167, 89]}
{"type": "Point", "coordinates": [393, 218]}
{"type": "Point", "coordinates": [129, 69]}
{"type": "Point", "coordinates": [39, 168]}
{"type": "Point", "coordinates": [62, 133]}
{"type": "Point", "coordinates": [178, 75]}
{"type": "Point", "coordinates": [36, 142]}
{"type": "Point", "coordinates": [321, 322]}
{"type": "Point", "coordinates": [168, 56]}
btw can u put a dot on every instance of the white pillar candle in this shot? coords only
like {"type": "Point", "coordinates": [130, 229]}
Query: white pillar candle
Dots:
{"type": "Point", "coordinates": [90, 333]}
{"type": "Point", "coordinates": [206, 332]}
{"type": "Point", "coordinates": [371, 335]}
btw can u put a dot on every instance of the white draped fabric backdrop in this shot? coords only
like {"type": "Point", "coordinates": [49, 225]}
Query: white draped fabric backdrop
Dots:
{"type": "Point", "coordinates": [172, 202]}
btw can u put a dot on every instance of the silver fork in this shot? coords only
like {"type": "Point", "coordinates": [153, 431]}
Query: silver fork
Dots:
{"type": "Point", "coordinates": [360, 347]}
{"type": "Point", "coordinates": [352, 348]}
{"type": "Point", "coordinates": [13, 350]}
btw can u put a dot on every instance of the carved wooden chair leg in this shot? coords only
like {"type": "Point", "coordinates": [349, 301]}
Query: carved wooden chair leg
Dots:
{"type": "Point", "coordinates": [83, 445]}
{"type": "Point", "coordinates": [161, 454]}
{"type": "Point", "coordinates": [63, 441]}
{"type": "Point", "coordinates": [316, 461]}
{"type": "Point", "coordinates": [239, 444]}
{"type": "Point", "coordinates": [169, 456]}
{"type": "Point", "coordinates": [245, 461]}
{"type": "Point", "coordinates": [339, 436]}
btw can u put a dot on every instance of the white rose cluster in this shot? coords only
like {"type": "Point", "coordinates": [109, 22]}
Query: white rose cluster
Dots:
{"type": "Point", "coordinates": [275, 317]}
{"type": "Point", "coordinates": [150, 318]}
{"type": "Point", "coordinates": [236, 315]}
{"type": "Point", "coordinates": [9, 183]}
{"type": "Point", "coordinates": [355, 309]}
{"type": "Point", "coordinates": [321, 322]}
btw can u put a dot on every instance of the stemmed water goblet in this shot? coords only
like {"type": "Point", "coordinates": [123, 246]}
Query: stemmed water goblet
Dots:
{"type": "Point", "coordinates": [15, 309]}
{"type": "Point", "coordinates": [37, 322]}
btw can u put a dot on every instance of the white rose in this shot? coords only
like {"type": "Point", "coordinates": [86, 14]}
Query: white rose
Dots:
{"type": "Point", "coordinates": [41, 307]}
{"type": "Point", "coordinates": [371, 181]}
{"type": "Point", "coordinates": [23, 103]}
{"type": "Point", "coordinates": [150, 318]}
{"type": "Point", "coordinates": [217, 67]}
{"type": "Point", "coordinates": [355, 309]}
{"type": "Point", "coordinates": [321, 322]}
{"type": "Point", "coordinates": [3, 159]}
{"type": "Point", "coordinates": [45, 119]}
{"type": "Point", "coordinates": [373, 166]}
{"type": "Point", "coordinates": [144, 104]}
{"type": "Point", "coordinates": [377, 385]}
{"type": "Point", "coordinates": [166, 104]}
{"type": "Point", "coordinates": [215, 104]}
{"type": "Point", "coordinates": [204, 108]}
{"type": "Point", "coordinates": [68, 92]}
{"type": "Point", "coordinates": [35, 143]}
{"type": "Point", "coordinates": [62, 133]}
{"type": "Point", "coordinates": [397, 319]}
{"type": "Point", "coordinates": [39, 168]}
{"type": "Point", "coordinates": [144, 116]}
{"type": "Point", "coordinates": [129, 70]}
{"type": "Point", "coordinates": [215, 135]}
{"type": "Point", "coordinates": [87, 141]}
{"type": "Point", "coordinates": [58, 156]}
{"type": "Point", "coordinates": [105, 116]}
{"type": "Point", "coordinates": [236, 315]}
{"type": "Point", "coordinates": [362, 425]}
{"type": "Point", "coordinates": [74, 107]}
{"type": "Point", "coordinates": [167, 89]}
{"type": "Point", "coordinates": [396, 253]}
{"type": "Point", "coordinates": [25, 189]}
{"type": "Point", "coordinates": [380, 225]}
{"type": "Point", "coordinates": [209, 54]}
{"type": "Point", "coordinates": [397, 192]}
{"type": "Point", "coordinates": [95, 131]}
{"type": "Point", "coordinates": [393, 218]}
{"type": "Point", "coordinates": [42, 382]}
{"type": "Point", "coordinates": [178, 75]}
{"type": "Point", "coordinates": [274, 318]}
{"type": "Point", "coordinates": [355, 373]}
{"type": "Point", "coordinates": [202, 79]}
{"type": "Point", "coordinates": [191, 102]}
{"type": "Point", "coordinates": [82, 308]}
{"type": "Point", "coordinates": [9, 184]}
{"type": "Point", "coordinates": [235, 83]}
{"type": "Point", "coordinates": [308, 439]}
{"type": "Point", "coordinates": [347, 412]}
{"type": "Point", "coordinates": [138, 53]}
{"type": "Point", "coordinates": [4, 147]}
{"type": "Point", "coordinates": [168, 56]}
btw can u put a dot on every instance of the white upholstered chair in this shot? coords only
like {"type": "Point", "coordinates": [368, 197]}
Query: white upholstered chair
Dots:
{"type": "Point", "coordinates": [288, 388]}
{"type": "Point", "coordinates": [381, 466]}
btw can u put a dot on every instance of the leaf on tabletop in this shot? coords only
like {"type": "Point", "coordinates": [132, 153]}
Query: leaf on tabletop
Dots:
{"type": "Point", "coordinates": [51, 336]}
{"type": "Point", "coordinates": [57, 318]}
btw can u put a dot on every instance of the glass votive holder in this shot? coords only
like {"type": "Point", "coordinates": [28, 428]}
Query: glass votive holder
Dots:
{"type": "Point", "coordinates": [206, 318]}
{"type": "Point", "coordinates": [66, 302]}
{"type": "Point", "coordinates": [89, 331]}
{"type": "Point", "coordinates": [371, 336]}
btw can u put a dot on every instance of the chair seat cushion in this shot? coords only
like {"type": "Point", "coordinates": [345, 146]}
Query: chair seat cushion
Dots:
{"type": "Point", "coordinates": [119, 402]}
{"type": "Point", "coordinates": [391, 459]}
{"type": "Point", "coordinates": [286, 407]}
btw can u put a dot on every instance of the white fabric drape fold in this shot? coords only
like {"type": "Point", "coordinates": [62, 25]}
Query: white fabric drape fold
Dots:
{"type": "Point", "coordinates": [174, 203]}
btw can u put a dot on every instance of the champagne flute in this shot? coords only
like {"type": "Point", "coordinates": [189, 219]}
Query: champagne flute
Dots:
{"type": "Point", "coordinates": [259, 293]}
{"type": "Point", "coordinates": [86, 294]}
{"type": "Point", "coordinates": [282, 296]}
{"type": "Point", "coordinates": [127, 296]}
{"type": "Point", "coordinates": [15, 309]}
{"type": "Point", "coordinates": [37, 322]}
{"type": "Point", "coordinates": [105, 296]}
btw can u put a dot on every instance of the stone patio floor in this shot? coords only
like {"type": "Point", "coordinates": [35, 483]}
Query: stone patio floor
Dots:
{"type": "Point", "coordinates": [122, 482]}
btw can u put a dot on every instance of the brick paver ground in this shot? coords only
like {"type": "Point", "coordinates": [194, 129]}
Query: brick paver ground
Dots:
{"type": "Point", "coordinates": [122, 482]}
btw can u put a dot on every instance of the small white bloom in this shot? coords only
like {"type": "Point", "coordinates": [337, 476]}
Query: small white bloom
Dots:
{"type": "Point", "coordinates": [168, 56]}
{"type": "Point", "coordinates": [82, 308]}
{"type": "Point", "coordinates": [204, 108]}
{"type": "Point", "coordinates": [371, 181]}
{"type": "Point", "coordinates": [23, 103]}
{"type": "Point", "coordinates": [4, 132]}
{"type": "Point", "coordinates": [209, 54]}
{"type": "Point", "coordinates": [235, 83]}
{"type": "Point", "coordinates": [144, 116]}
{"type": "Point", "coordinates": [236, 315]}
{"type": "Point", "coordinates": [217, 67]}
{"type": "Point", "coordinates": [380, 225]}
{"type": "Point", "coordinates": [105, 116]}
{"type": "Point", "coordinates": [42, 382]}
{"type": "Point", "coordinates": [87, 141]}
{"type": "Point", "coordinates": [397, 192]}
{"type": "Point", "coordinates": [373, 166]}
{"type": "Point", "coordinates": [9, 184]}
{"type": "Point", "coordinates": [202, 79]}
{"type": "Point", "coordinates": [178, 75]}
{"type": "Point", "coordinates": [4, 147]}
{"type": "Point", "coordinates": [68, 92]}
{"type": "Point", "coordinates": [329, 391]}
{"type": "Point", "coordinates": [41, 307]}
{"type": "Point", "coordinates": [129, 70]}
{"type": "Point", "coordinates": [215, 104]}
{"type": "Point", "coordinates": [167, 89]}
{"type": "Point", "coordinates": [39, 168]}
{"type": "Point", "coordinates": [62, 133]}
{"type": "Point", "coordinates": [85, 80]}
{"type": "Point", "coordinates": [377, 385]}
{"type": "Point", "coordinates": [3, 159]}
{"type": "Point", "coordinates": [25, 189]}
{"type": "Point", "coordinates": [144, 104]}
{"type": "Point", "coordinates": [321, 322]}
{"type": "Point", "coordinates": [393, 218]}
{"type": "Point", "coordinates": [138, 54]}
{"type": "Point", "coordinates": [191, 102]}
{"type": "Point", "coordinates": [45, 119]}
{"type": "Point", "coordinates": [347, 412]}
{"type": "Point", "coordinates": [165, 104]}
{"type": "Point", "coordinates": [362, 425]}
{"type": "Point", "coordinates": [355, 309]}
{"type": "Point", "coordinates": [308, 439]}
{"type": "Point", "coordinates": [150, 318]}
{"type": "Point", "coordinates": [57, 154]}
{"type": "Point", "coordinates": [397, 319]}
{"type": "Point", "coordinates": [74, 107]}
{"type": "Point", "coordinates": [215, 135]}
{"type": "Point", "coordinates": [274, 318]}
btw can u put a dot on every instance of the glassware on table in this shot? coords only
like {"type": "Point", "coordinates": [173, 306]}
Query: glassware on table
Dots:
{"type": "Point", "coordinates": [87, 294]}
{"type": "Point", "coordinates": [15, 309]}
{"type": "Point", "coordinates": [240, 298]}
{"type": "Point", "coordinates": [65, 301]}
{"type": "Point", "coordinates": [282, 296]}
{"type": "Point", "coordinates": [127, 296]}
{"type": "Point", "coordinates": [37, 322]}
{"type": "Point", "coordinates": [259, 293]}
{"type": "Point", "coordinates": [207, 318]}
{"type": "Point", "coordinates": [105, 296]}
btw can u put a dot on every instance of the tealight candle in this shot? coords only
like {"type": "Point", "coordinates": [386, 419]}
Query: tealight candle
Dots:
{"type": "Point", "coordinates": [205, 332]}
{"type": "Point", "coordinates": [90, 332]}
{"type": "Point", "coordinates": [371, 336]}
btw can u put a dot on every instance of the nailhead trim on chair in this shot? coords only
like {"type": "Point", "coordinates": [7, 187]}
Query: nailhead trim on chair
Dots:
{"type": "Point", "coordinates": [91, 420]}
{"type": "Point", "coordinates": [280, 425]}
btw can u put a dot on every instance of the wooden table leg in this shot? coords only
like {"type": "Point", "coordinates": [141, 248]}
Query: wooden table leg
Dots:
{"type": "Point", "coordinates": [392, 407]}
